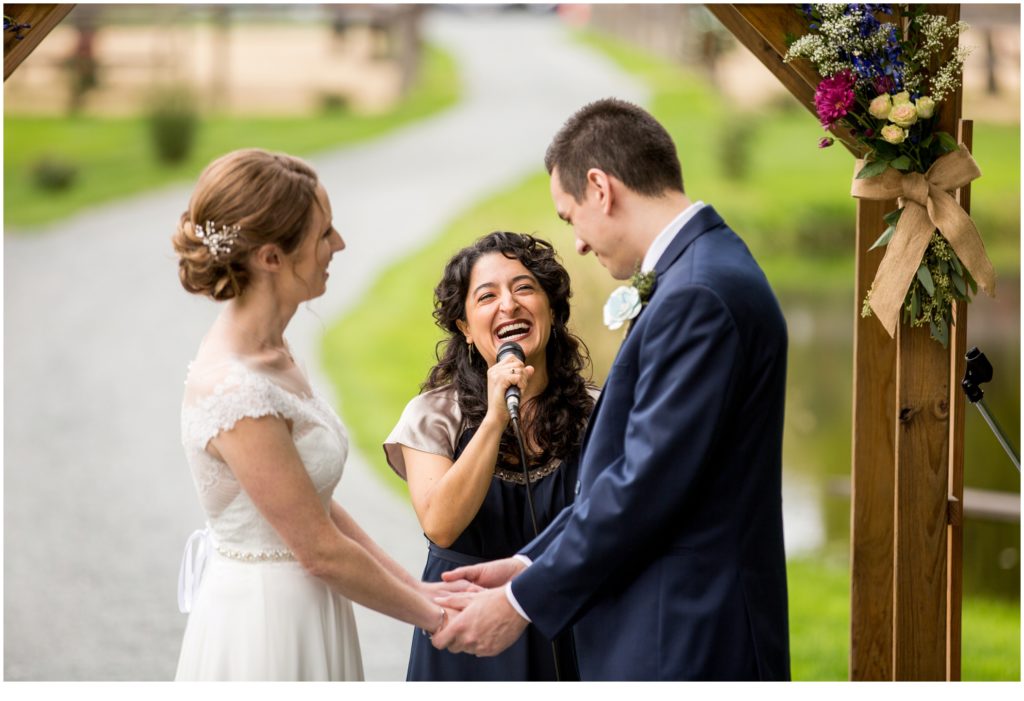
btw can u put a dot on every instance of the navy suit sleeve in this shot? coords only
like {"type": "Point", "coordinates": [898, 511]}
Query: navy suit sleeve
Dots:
{"type": "Point", "coordinates": [688, 355]}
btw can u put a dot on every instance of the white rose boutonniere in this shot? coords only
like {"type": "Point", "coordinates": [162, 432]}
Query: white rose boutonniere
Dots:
{"type": "Point", "coordinates": [623, 305]}
{"type": "Point", "coordinates": [626, 302]}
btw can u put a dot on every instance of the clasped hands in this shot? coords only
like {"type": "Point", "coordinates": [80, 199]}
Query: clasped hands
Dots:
{"type": "Point", "coordinates": [481, 621]}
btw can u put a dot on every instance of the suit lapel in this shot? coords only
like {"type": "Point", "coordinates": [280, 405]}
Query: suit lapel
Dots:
{"type": "Point", "coordinates": [707, 218]}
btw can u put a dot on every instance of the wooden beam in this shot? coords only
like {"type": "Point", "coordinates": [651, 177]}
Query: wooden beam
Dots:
{"type": "Point", "coordinates": [763, 29]}
{"type": "Point", "coordinates": [872, 466]}
{"type": "Point", "coordinates": [921, 507]}
{"type": "Point", "coordinates": [926, 605]}
{"type": "Point", "coordinates": [955, 530]}
{"type": "Point", "coordinates": [43, 19]}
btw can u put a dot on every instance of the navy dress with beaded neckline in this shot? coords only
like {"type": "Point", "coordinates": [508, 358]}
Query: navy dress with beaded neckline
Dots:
{"type": "Point", "coordinates": [501, 527]}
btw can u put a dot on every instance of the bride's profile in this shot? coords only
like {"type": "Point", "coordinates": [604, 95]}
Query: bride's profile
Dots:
{"type": "Point", "coordinates": [269, 582]}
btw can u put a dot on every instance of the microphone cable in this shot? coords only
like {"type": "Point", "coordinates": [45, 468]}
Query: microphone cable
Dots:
{"type": "Point", "coordinates": [533, 520]}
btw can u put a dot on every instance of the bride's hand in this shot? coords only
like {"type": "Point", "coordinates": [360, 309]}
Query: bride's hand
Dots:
{"type": "Point", "coordinates": [432, 590]}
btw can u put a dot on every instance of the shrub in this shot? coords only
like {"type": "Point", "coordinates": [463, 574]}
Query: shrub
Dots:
{"type": "Point", "coordinates": [52, 173]}
{"type": "Point", "coordinates": [734, 148]}
{"type": "Point", "coordinates": [173, 122]}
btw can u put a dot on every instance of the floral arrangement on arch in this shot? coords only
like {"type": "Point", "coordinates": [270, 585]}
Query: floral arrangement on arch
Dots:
{"type": "Point", "coordinates": [885, 71]}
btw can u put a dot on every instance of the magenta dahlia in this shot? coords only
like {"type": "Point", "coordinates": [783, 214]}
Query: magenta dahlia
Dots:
{"type": "Point", "coordinates": [834, 98]}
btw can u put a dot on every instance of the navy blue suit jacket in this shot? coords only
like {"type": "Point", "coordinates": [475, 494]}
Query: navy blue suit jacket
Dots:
{"type": "Point", "coordinates": [670, 563]}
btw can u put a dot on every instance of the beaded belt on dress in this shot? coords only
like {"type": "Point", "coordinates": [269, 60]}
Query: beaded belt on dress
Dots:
{"type": "Point", "coordinates": [193, 563]}
{"type": "Point", "coordinates": [264, 556]}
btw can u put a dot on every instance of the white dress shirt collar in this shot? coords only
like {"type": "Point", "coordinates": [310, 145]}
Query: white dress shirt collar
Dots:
{"type": "Point", "coordinates": [667, 234]}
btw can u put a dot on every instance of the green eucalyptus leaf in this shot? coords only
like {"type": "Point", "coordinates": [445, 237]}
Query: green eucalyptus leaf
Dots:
{"type": "Point", "coordinates": [872, 169]}
{"type": "Point", "coordinates": [893, 217]}
{"type": "Point", "coordinates": [956, 265]}
{"type": "Point", "coordinates": [926, 279]}
{"type": "Point", "coordinates": [947, 142]}
{"type": "Point", "coordinates": [940, 332]}
{"type": "Point", "coordinates": [901, 163]}
{"type": "Point", "coordinates": [958, 282]}
{"type": "Point", "coordinates": [943, 267]}
{"type": "Point", "coordinates": [884, 239]}
{"type": "Point", "coordinates": [915, 303]}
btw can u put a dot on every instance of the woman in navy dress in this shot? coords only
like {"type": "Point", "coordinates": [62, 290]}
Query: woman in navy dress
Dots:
{"type": "Point", "coordinates": [455, 446]}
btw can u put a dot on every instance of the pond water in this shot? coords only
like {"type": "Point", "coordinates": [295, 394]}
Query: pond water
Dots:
{"type": "Point", "coordinates": [816, 452]}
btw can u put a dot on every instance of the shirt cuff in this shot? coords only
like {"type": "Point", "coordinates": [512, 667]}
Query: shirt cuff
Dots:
{"type": "Point", "coordinates": [515, 604]}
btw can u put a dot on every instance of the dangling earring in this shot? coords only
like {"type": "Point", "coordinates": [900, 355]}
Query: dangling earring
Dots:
{"type": "Point", "coordinates": [472, 349]}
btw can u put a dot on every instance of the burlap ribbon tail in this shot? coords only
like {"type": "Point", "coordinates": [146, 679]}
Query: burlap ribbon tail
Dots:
{"type": "Point", "coordinates": [927, 205]}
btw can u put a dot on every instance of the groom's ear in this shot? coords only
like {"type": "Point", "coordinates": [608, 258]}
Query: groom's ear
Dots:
{"type": "Point", "coordinates": [599, 186]}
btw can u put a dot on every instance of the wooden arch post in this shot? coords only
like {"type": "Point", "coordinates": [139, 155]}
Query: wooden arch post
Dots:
{"type": "Point", "coordinates": [908, 431]}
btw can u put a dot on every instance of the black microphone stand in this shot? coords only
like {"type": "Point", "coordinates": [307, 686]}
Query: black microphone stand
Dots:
{"type": "Point", "coordinates": [533, 517]}
{"type": "Point", "coordinates": [979, 370]}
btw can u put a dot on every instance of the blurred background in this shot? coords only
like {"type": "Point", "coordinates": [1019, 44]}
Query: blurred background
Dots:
{"type": "Point", "coordinates": [428, 125]}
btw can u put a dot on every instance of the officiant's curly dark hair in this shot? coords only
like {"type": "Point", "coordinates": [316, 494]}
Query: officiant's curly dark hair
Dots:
{"type": "Point", "coordinates": [565, 405]}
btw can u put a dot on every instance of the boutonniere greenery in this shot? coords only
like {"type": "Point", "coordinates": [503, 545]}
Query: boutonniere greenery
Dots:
{"type": "Point", "coordinates": [625, 303]}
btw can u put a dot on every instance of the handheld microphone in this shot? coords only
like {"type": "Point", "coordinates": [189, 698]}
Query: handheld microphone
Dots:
{"type": "Point", "coordinates": [512, 393]}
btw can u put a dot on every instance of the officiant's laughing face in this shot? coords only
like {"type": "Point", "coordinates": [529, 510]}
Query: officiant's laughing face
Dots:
{"type": "Point", "coordinates": [506, 303]}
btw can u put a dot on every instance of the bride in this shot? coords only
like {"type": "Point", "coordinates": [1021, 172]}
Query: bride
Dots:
{"type": "Point", "coordinates": [269, 582]}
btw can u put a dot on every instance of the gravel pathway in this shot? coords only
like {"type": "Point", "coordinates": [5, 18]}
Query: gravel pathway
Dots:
{"type": "Point", "coordinates": [98, 501]}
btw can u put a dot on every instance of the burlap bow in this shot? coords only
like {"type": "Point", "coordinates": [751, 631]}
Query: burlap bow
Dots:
{"type": "Point", "coordinates": [927, 206]}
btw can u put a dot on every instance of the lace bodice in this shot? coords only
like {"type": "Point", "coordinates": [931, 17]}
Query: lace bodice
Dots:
{"type": "Point", "coordinates": [216, 398]}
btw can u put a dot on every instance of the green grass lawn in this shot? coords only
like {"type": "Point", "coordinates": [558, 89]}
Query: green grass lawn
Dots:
{"type": "Point", "coordinates": [114, 157]}
{"type": "Point", "coordinates": [819, 624]}
{"type": "Point", "coordinates": [792, 194]}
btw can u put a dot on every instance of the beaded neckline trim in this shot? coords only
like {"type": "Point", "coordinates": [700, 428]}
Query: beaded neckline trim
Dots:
{"type": "Point", "coordinates": [517, 477]}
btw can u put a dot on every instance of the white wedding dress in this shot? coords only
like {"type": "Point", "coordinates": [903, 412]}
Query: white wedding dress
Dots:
{"type": "Point", "coordinates": [254, 612]}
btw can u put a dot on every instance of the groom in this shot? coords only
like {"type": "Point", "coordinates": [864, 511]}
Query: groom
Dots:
{"type": "Point", "coordinates": [670, 563]}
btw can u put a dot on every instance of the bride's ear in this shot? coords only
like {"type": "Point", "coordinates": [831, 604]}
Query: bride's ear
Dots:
{"type": "Point", "coordinates": [268, 257]}
{"type": "Point", "coordinates": [464, 328]}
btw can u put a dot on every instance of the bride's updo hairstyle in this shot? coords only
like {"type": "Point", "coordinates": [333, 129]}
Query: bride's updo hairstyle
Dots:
{"type": "Point", "coordinates": [243, 200]}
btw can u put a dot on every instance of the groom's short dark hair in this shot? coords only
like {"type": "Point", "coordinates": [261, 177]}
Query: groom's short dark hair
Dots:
{"type": "Point", "coordinates": [621, 139]}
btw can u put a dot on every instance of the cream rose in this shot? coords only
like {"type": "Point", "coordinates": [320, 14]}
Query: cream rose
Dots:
{"type": "Point", "coordinates": [901, 98]}
{"type": "Point", "coordinates": [925, 107]}
{"type": "Point", "coordinates": [903, 114]}
{"type": "Point", "coordinates": [880, 106]}
{"type": "Point", "coordinates": [893, 134]}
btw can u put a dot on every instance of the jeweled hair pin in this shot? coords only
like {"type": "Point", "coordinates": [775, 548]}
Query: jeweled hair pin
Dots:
{"type": "Point", "coordinates": [218, 242]}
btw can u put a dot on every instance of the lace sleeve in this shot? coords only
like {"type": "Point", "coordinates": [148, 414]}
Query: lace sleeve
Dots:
{"type": "Point", "coordinates": [216, 399]}
{"type": "Point", "coordinates": [431, 422]}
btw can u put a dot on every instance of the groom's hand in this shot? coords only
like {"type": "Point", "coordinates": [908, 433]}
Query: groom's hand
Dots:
{"type": "Point", "coordinates": [487, 574]}
{"type": "Point", "coordinates": [486, 625]}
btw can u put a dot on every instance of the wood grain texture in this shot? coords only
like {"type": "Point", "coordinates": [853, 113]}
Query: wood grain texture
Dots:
{"type": "Point", "coordinates": [872, 467]}
{"type": "Point", "coordinates": [43, 18]}
{"type": "Point", "coordinates": [921, 507]}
